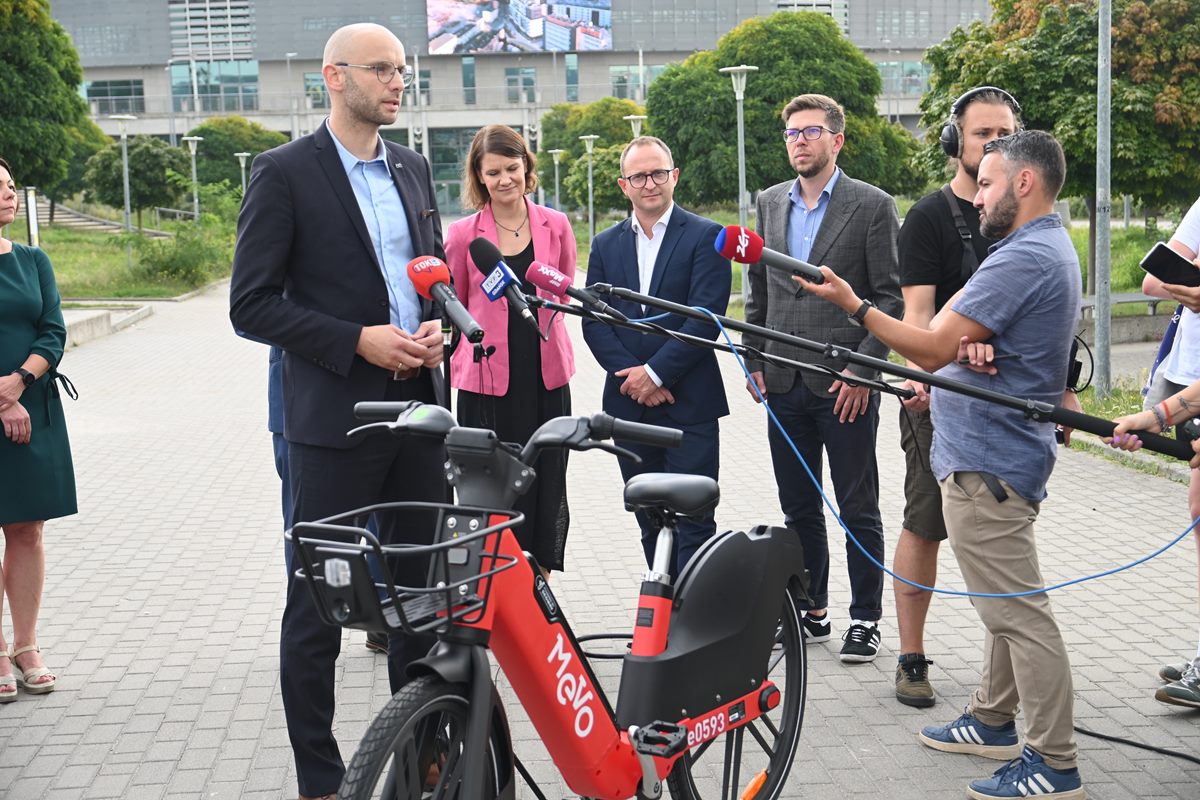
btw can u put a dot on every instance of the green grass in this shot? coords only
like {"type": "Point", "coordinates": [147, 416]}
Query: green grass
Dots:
{"type": "Point", "coordinates": [1127, 247]}
{"type": "Point", "coordinates": [91, 264]}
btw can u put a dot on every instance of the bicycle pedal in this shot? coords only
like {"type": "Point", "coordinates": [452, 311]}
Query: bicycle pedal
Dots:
{"type": "Point", "coordinates": [660, 739]}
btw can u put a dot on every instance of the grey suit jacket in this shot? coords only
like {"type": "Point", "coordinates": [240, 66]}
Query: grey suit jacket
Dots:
{"type": "Point", "coordinates": [857, 240]}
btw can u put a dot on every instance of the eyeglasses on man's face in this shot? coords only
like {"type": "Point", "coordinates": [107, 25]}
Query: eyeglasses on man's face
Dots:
{"type": "Point", "coordinates": [811, 133]}
{"type": "Point", "coordinates": [638, 180]}
{"type": "Point", "coordinates": [385, 71]}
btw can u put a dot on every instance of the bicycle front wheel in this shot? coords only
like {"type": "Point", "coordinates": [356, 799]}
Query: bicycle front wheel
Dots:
{"type": "Point", "coordinates": [414, 749]}
{"type": "Point", "coordinates": [753, 760]}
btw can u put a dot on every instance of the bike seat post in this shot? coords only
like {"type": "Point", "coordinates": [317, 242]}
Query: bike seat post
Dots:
{"type": "Point", "coordinates": [657, 595]}
{"type": "Point", "coordinates": [664, 550]}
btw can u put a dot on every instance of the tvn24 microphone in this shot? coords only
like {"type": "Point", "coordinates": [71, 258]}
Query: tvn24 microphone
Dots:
{"type": "Point", "coordinates": [746, 247]}
{"type": "Point", "coordinates": [499, 279]}
{"type": "Point", "coordinates": [547, 278]}
{"type": "Point", "coordinates": [431, 278]}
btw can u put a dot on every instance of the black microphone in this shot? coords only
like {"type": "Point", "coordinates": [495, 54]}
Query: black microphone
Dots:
{"type": "Point", "coordinates": [499, 279]}
{"type": "Point", "coordinates": [431, 278]}
{"type": "Point", "coordinates": [746, 247]}
{"type": "Point", "coordinates": [547, 278]}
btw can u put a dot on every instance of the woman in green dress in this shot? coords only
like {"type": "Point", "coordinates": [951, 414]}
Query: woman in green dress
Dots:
{"type": "Point", "coordinates": [37, 479]}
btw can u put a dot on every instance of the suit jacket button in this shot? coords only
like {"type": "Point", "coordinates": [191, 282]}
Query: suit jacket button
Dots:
{"type": "Point", "coordinates": [383, 303]}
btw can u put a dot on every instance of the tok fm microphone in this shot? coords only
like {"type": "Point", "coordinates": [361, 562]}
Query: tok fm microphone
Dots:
{"type": "Point", "coordinates": [746, 247]}
{"type": "Point", "coordinates": [499, 280]}
{"type": "Point", "coordinates": [431, 278]}
{"type": "Point", "coordinates": [547, 278]}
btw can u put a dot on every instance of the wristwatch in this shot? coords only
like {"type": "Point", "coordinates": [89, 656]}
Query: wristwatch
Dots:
{"type": "Point", "coordinates": [27, 377]}
{"type": "Point", "coordinates": [859, 316]}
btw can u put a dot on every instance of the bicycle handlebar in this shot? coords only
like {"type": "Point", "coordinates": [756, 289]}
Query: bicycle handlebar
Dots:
{"type": "Point", "coordinates": [606, 427]}
{"type": "Point", "coordinates": [381, 410]}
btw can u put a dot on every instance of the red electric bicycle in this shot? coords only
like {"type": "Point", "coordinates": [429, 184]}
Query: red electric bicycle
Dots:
{"type": "Point", "coordinates": [712, 689]}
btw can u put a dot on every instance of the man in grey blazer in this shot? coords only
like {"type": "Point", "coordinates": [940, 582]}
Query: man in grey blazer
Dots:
{"type": "Point", "coordinates": [826, 217]}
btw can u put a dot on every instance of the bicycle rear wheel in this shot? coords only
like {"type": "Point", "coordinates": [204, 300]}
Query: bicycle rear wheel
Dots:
{"type": "Point", "coordinates": [414, 749]}
{"type": "Point", "coordinates": [753, 760]}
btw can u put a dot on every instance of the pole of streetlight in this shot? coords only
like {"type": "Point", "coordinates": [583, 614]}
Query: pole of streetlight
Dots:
{"type": "Point", "coordinates": [555, 154]}
{"type": "Point", "coordinates": [193, 143]}
{"type": "Point", "coordinates": [589, 142]}
{"type": "Point", "coordinates": [738, 75]}
{"type": "Point", "coordinates": [241, 157]}
{"type": "Point", "coordinates": [635, 123]}
{"type": "Point", "coordinates": [291, 97]}
{"type": "Point", "coordinates": [122, 121]}
{"type": "Point", "coordinates": [1103, 198]}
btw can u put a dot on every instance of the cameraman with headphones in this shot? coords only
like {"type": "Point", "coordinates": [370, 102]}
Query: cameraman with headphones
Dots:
{"type": "Point", "coordinates": [940, 247]}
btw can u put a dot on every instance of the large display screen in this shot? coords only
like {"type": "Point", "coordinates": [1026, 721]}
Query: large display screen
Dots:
{"type": "Point", "coordinates": [518, 26]}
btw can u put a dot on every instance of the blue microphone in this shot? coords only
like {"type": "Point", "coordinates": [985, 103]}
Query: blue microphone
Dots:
{"type": "Point", "coordinates": [499, 280]}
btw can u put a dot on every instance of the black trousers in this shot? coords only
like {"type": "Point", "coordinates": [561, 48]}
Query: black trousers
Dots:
{"type": "Point", "coordinates": [327, 481]}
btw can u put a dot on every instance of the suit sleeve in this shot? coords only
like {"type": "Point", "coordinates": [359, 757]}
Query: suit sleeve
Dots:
{"type": "Point", "coordinates": [883, 277]}
{"type": "Point", "coordinates": [756, 300]}
{"type": "Point", "coordinates": [711, 280]}
{"type": "Point", "coordinates": [257, 305]}
{"type": "Point", "coordinates": [602, 339]}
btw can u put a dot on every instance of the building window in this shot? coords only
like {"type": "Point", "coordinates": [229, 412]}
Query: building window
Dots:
{"type": "Point", "coordinates": [423, 83]}
{"type": "Point", "coordinates": [572, 77]}
{"type": "Point", "coordinates": [468, 78]}
{"type": "Point", "coordinates": [315, 93]}
{"type": "Point", "coordinates": [216, 86]}
{"type": "Point", "coordinates": [625, 82]}
{"type": "Point", "coordinates": [115, 97]}
{"type": "Point", "coordinates": [206, 28]}
{"type": "Point", "coordinates": [521, 83]}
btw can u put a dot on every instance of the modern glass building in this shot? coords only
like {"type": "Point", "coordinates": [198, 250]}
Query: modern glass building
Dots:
{"type": "Point", "coordinates": [174, 63]}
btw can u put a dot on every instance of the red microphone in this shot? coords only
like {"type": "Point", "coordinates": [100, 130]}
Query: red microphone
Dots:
{"type": "Point", "coordinates": [547, 278]}
{"type": "Point", "coordinates": [746, 247]}
{"type": "Point", "coordinates": [431, 278]}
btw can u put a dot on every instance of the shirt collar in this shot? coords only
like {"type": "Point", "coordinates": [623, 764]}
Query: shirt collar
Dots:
{"type": "Point", "coordinates": [349, 160]}
{"type": "Point", "coordinates": [663, 220]}
{"type": "Point", "coordinates": [1044, 222]}
{"type": "Point", "coordinates": [798, 199]}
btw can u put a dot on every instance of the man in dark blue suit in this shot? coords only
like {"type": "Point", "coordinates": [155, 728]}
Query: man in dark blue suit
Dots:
{"type": "Point", "coordinates": [327, 227]}
{"type": "Point", "coordinates": [666, 252]}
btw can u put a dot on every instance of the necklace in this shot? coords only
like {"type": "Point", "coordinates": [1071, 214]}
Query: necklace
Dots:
{"type": "Point", "coordinates": [516, 232]}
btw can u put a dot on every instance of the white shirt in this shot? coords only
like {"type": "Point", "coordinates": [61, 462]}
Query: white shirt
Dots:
{"type": "Point", "coordinates": [647, 255]}
{"type": "Point", "coordinates": [1183, 362]}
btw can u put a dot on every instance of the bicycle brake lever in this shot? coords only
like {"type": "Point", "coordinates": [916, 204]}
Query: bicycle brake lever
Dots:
{"type": "Point", "coordinates": [361, 429]}
{"type": "Point", "coordinates": [620, 452]}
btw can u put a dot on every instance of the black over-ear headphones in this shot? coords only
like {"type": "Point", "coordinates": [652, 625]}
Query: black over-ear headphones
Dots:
{"type": "Point", "coordinates": [951, 137]}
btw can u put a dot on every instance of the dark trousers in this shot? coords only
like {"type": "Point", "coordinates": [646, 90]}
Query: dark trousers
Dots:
{"type": "Point", "coordinates": [324, 482]}
{"type": "Point", "coordinates": [810, 422]}
{"type": "Point", "coordinates": [280, 446]}
{"type": "Point", "coordinates": [698, 454]}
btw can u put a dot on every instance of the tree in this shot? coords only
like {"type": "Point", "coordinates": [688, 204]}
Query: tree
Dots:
{"type": "Point", "coordinates": [692, 107]}
{"type": "Point", "coordinates": [40, 102]}
{"type": "Point", "coordinates": [156, 173]}
{"type": "Point", "coordinates": [85, 141]}
{"type": "Point", "coordinates": [224, 136]}
{"type": "Point", "coordinates": [564, 123]}
{"type": "Point", "coordinates": [606, 194]}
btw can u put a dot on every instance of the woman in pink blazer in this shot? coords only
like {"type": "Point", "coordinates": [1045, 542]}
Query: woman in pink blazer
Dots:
{"type": "Point", "coordinates": [514, 381]}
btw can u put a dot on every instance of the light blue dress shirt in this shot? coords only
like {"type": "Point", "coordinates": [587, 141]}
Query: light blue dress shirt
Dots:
{"type": "Point", "coordinates": [383, 212]}
{"type": "Point", "coordinates": [804, 224]}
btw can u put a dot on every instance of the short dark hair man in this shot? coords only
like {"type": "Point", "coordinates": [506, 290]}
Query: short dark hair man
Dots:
{"type": "Point", "coordinates": [826, 217]}
{"type": "Point", "coordinates": [326, 231]}
{"type": "Point", "coordinates": [664, 251]}
{"type": "Point", "coordinates": [992, 463]}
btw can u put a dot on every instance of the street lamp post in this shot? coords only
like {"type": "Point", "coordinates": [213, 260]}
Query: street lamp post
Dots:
{"type": "Point", "coordinates": [241, 157]}
{"type": "Point", "coordinates": [555, 154]}
{"type": "Point", "coordinates": [122, 121]}
{"type": "Point", "coordinates": [589, 142]}
{"type": "Point", "coordinates": [635, 123]}
{"type": "Point", "coordinates": [291, 96]}
{"type": "Point", "coordinates": [193, 142]}
{"type": "Point", "coordinates": [738, 75]}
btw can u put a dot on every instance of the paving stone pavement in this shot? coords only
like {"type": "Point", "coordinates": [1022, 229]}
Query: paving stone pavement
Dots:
{"type": "Point", "coordinates": [163, 597]}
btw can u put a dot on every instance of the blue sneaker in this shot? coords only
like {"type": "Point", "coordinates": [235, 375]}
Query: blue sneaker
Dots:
{"type": "Point", "coordinates": [1029, 776]}
{"type": "Point", "coordinates": [968, 735]}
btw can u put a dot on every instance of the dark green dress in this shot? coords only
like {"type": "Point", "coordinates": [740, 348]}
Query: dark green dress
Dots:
{"type": "Point", "coordinates": [37, 480]}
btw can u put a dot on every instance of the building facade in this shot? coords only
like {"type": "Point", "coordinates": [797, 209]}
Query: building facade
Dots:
{"type": "Point", "coordinates": [175, 63]}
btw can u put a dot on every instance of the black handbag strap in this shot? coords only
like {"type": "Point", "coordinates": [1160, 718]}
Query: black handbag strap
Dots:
{"type": "Point", "coordinates": [969, 262]}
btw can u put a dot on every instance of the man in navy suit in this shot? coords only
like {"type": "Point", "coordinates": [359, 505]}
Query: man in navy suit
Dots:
{"type": "Point", "coordinates": [666, 252]}
{"type": "Point", "coordinates": [327, 228]}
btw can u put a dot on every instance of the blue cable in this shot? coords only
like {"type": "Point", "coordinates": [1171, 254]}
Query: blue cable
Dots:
{"type": "Point", "coordinates": [828, 504]}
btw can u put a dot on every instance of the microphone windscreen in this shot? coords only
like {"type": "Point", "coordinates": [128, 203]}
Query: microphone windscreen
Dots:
{"type": "Point", "coordinates": [547, 278]}
{"type": "Point", "coordinates": [485, 254]}
{"type": "Point", "coordinates": [425, 271]}
{"type": "Point", "coordinates": [739, 244]}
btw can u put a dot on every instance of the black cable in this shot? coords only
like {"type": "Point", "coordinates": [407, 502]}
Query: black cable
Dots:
{"type": "Point", "coordinates": [1141, 745]}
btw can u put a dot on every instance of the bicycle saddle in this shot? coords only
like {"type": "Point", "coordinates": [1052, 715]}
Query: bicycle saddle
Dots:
{"type": "Point", "coordinates": [692, 496]}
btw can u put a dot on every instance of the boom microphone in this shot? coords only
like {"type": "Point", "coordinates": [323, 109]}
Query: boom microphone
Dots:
{"type": "Point", "coordinates": [746, 247]}
{"type": "Point", "coordinates": [547, 278]}
{"type": "Point", "coordinates": [431, 278]}
{"type": "Point", "coordinates": [499, 279]}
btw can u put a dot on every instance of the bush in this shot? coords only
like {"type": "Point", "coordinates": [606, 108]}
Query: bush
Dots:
{"type": "Point", "coordinates": [196, 254]}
